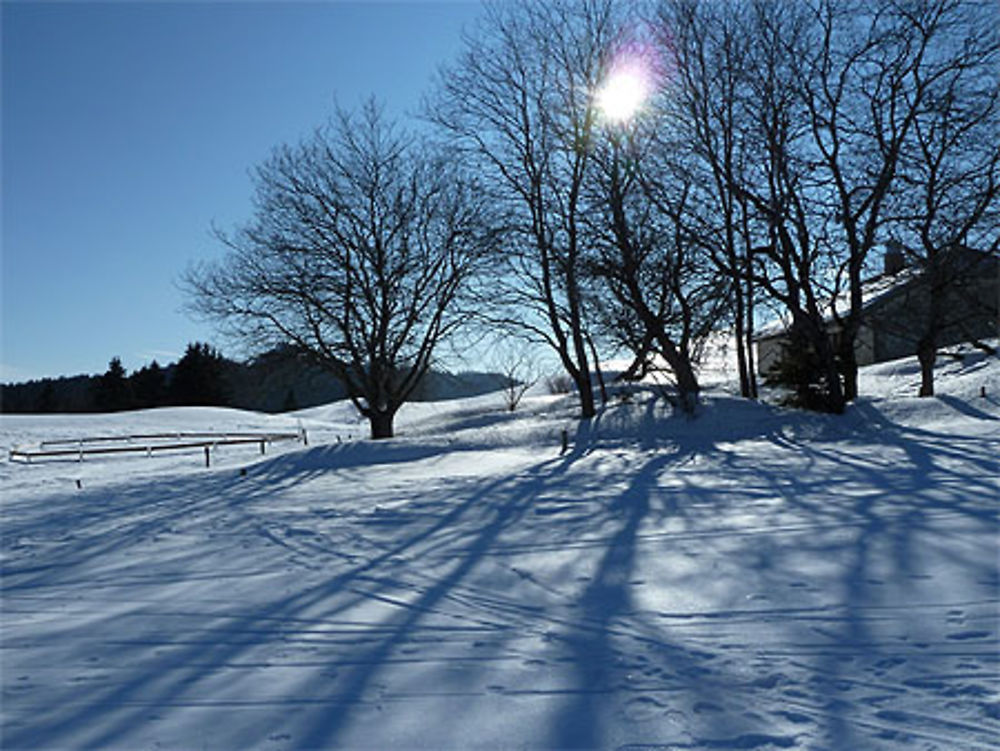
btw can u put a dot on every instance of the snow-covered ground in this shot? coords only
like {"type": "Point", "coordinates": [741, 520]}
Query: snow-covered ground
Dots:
{"type": "Point", "coordinates": [754, 578]}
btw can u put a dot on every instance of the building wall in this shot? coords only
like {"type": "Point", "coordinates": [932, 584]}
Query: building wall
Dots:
{"type": "Point", "coordinates": [894, 324]}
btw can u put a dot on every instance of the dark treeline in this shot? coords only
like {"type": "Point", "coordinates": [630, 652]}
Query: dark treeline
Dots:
{"type": "Point", "coordinates": [201, 377]}
{"type": "Point", "coordinates": [279, 380]}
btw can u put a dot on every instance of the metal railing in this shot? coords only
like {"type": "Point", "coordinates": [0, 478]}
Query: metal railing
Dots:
{"type": "Point", "coordinates": [148, 444]}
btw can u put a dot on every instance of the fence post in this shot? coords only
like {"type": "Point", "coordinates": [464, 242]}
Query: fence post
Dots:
{"type": "Point", "coordinates": [208, 461]}
{"type": "Point", "coordinates": [262, 452]}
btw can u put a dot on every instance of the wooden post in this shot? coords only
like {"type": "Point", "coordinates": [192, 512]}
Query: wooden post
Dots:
{"type": "Point", "coordinates": [305, 437]}
{"type": "Point", "coordinates": [565, 441]}
{"type": "Point", "coordinates": [208, 460]}
{"type": "Point", "coordinates": [262, 451]}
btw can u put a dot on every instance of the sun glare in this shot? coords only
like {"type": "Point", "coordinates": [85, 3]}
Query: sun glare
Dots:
{"type": "Point", "coordinates": [622, 94]}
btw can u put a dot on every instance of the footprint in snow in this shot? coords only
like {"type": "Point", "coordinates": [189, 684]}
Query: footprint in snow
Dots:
{"type": "Point", "coordinates": [956, 617]}
{"type": "Point", "coordinates": [966, 635]}
{"type": "Point", "coordinates": [768, 682]}
{"type": "Point", "coordinates": [749, 740]}
{"type": "Point", "coordinates": [644, 708]}
{"type": "Point", "coordinates": [796, 717]}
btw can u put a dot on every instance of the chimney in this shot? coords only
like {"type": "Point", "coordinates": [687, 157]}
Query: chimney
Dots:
{"type": "Point", "coordinates": [895, 259]}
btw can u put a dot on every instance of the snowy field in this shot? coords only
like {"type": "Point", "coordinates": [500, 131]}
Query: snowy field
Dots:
{"type": "Point", "coordinates": [755, 578]}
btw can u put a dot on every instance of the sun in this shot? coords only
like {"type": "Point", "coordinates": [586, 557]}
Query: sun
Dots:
{"type": "Point", "coordinates": [622, 94]}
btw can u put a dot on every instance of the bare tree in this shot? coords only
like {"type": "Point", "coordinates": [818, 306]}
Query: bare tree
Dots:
{"type": "Point", "coordinates": [661, 288]}
{"type": "Point", "coordinates": [738, 105]}
{"type": "Point", "coordinates": [864, 76]}
{"type": "Point", "coordinates": [710, 44]}
{"type": "Point", "coordinates": [800, 115]}
{"type": "Point", "coordinates": [519, 369]}
{"type": "Point", "coordinates": [519, 102]}
{"type": "Point", "coordinates": [948, 201]}
{"type": "Point", "coordinates": [358, 252]}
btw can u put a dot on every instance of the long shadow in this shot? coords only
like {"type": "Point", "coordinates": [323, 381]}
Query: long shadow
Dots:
{"type": "Point", "coordinates": [508, 502]}
{"type": "Point", "coordinates": [168, 679]}
{"type": "Point", "coordinates": [475, 526]}
{"type": "Point", "coordinates": [608, 609]}
{"type": "Point", "coordinates": [580, 723]}
{"type": "Point", "coordinates": [965, 408]}
{"type": "Point", "coordinates": [897, 517]}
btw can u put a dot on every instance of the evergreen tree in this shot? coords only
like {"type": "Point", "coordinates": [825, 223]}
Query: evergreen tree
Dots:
{"type": "Point", "coordinates": [46, 402]}
{"type": "Point", "coordinates": [113, 391]}
{"type": "Point", "coordinates": [149, 384]}
{"type": "Point", "coordinates": [800, 369]}
{"type": "Point", "coordinates": [200, 378]}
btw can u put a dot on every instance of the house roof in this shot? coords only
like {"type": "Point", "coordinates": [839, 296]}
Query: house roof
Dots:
{"type": "Point", "coordinates": [872, 291]}
{"type": "Point", "coordinates": [961, 259]}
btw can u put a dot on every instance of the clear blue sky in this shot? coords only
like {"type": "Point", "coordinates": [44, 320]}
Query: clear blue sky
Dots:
{"type": "Point", "coordinates": [129, 128]}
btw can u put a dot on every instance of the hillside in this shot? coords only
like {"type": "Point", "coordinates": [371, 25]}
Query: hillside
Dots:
{"type": "Point", "coordinates": [752, 578]}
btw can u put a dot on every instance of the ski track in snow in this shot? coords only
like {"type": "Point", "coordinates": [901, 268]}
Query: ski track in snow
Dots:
{"type": "Point", "coordinates": [752, 579]}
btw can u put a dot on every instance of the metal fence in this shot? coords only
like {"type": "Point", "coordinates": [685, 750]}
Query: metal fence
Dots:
{"type": "Point", "coordinates": [148, 444]}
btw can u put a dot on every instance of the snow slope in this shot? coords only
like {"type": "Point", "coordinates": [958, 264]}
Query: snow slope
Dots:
{"type": "Point", "coordinates": [754, 578]}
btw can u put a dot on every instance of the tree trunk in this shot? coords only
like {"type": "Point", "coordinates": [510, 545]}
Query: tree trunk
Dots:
{"type": "Point", "coordinates": [741, 355]}
{"type": "Point", "coordinates": [835, 401]}
{"type": "Point", "coordinates": [687, 385]}
{"type": "Point", "coordinates": [680, 364]}
{"type": "Point", "coordinates": [849, 367]}
{"type": "Point", "coordinates": [927, 354]}
{"type": "Point", "coordinates": [597, 370]}
{"type": "Point", "coordinates": [381, 424]}
{"type": "Point", "coordinates": [749, 293]}
{"type": "Point", "coordinates": [586, 391]}
{"type": "Point", "coordinates": [749, 344]}
{"type": "Point", "coordinates": [928, 344]}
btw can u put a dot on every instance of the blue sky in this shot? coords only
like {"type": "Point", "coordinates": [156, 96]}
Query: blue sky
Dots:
{"type": "Point", "coordinates": [129, 128]}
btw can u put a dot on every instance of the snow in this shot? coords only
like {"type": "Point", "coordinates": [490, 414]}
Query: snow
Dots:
{"type": "Point", "coordinates": [752, 578]}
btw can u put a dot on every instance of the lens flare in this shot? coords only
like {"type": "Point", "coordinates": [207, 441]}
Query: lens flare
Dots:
{"type": "Point", "coordinates": [622, 93]}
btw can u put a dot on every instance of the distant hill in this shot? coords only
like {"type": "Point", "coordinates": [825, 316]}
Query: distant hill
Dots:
{"type": "Point", "coordinates": [277, 381]}
{"type": "Point", "coordinates": [281, 380]}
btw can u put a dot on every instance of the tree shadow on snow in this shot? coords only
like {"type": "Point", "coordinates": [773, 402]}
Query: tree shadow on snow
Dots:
{"type": "Point", "coordinates": [829, 548]}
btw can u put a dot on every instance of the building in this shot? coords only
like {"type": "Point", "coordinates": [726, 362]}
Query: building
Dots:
{"type": "Point", "coordinates": [896, 308]}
